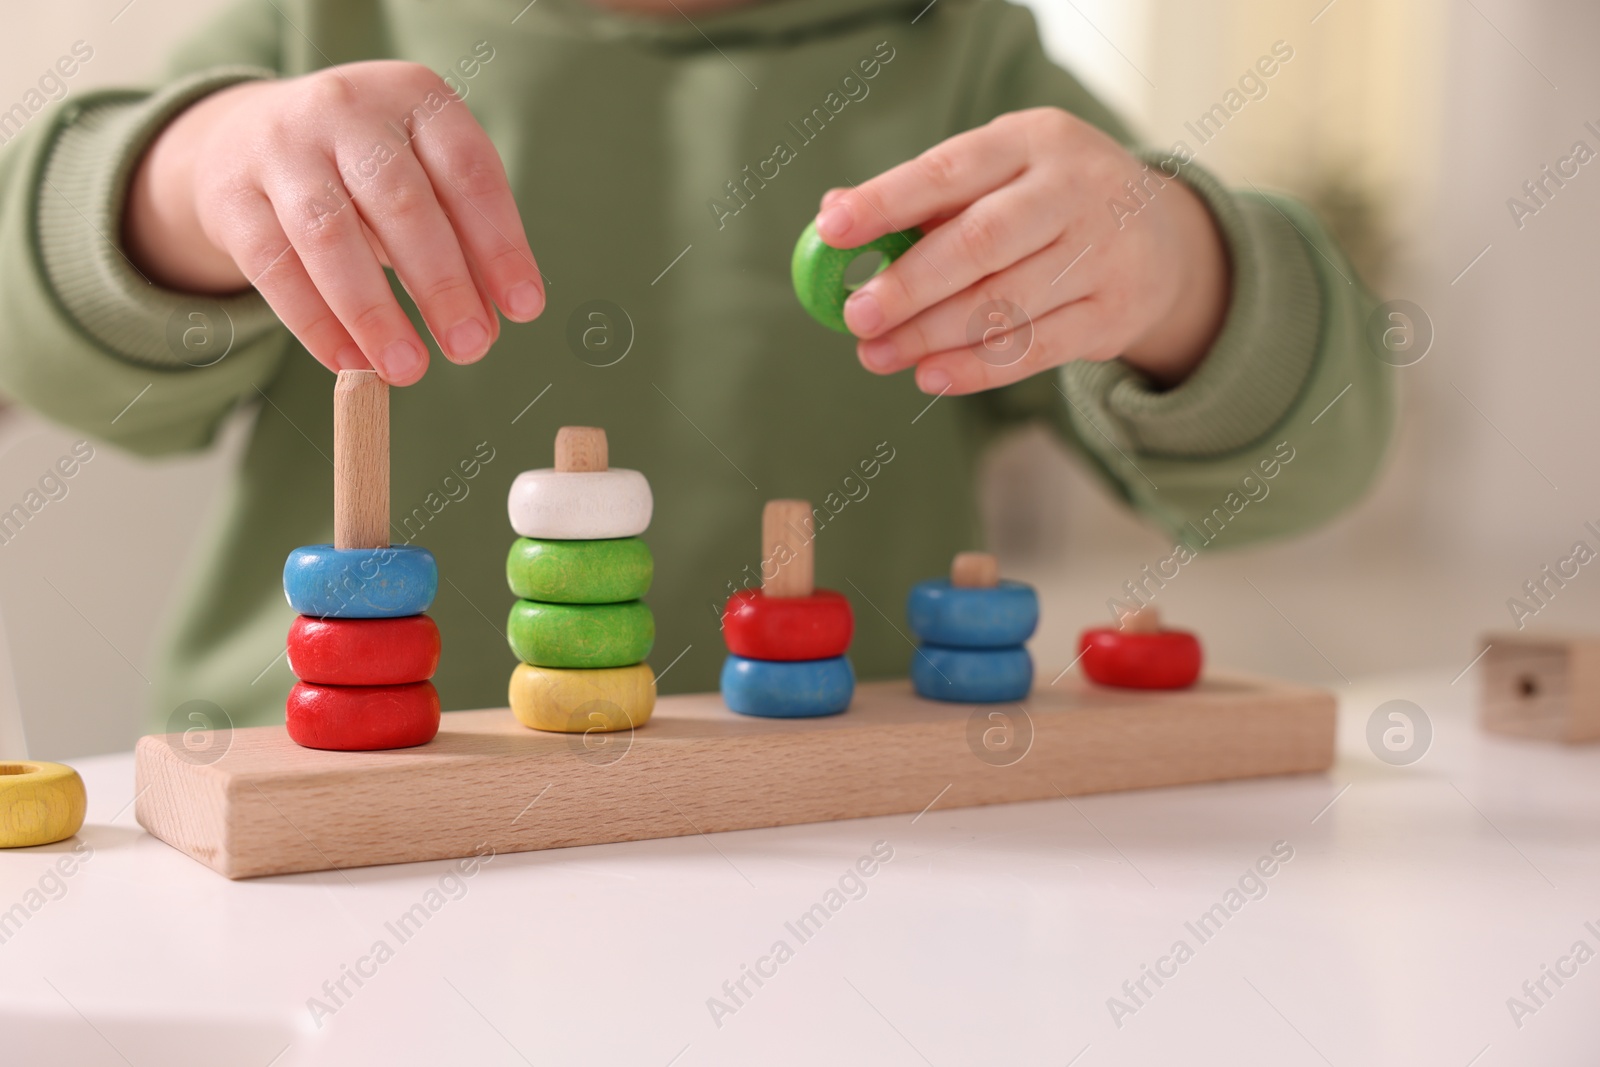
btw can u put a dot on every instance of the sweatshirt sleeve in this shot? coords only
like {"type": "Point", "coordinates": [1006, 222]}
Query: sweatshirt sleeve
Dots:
{"type": "Point", "coordinates": [1290, 370]}
{"type": "Point", "coordinates": [91, 342]}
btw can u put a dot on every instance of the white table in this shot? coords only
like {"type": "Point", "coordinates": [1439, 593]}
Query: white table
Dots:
{"type": "Point", "coordinates": [1418, 899]}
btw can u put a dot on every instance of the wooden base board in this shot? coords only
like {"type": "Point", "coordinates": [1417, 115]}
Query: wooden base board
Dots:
{"type": "Point", "coordinates": [268, 806]}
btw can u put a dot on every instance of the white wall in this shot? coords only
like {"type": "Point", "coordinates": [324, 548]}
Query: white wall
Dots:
{"type": "Point", "coordinates": [1461, 114]}
{"type": "Point", "coordinates": [85, 584]}
{"type": "Point", "coordinates": [1459, 521]}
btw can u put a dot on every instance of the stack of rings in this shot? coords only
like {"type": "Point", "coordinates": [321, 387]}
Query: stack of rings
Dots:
{"type": "Point", "coordinates": [579, 570]}
{"type": "Point", "coordinates": [972, 638]}
{"type": "Point", "coordinates": [787, 640]}
{"type": "Point", "coordinates": [362, 648]}
{"type": "Point", "coordinates": [787, 654]}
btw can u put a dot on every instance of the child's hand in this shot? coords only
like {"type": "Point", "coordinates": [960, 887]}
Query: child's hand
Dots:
{"type": "Point", "coordinates": [307, 187]}
{"type": "Point", "coordinates": [1009, 209]}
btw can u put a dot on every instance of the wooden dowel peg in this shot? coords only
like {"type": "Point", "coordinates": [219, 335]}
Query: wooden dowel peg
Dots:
{"type": "Point", "coordinates": [360, 460]}
{"type": "Point", "coordinates": [974, 570]}
{"type": "Point", "coordinates": [581, 448]}
{"type": "Point", "coordinates": [1147, 620]}
{"type": "Point", "coordinates": [786, 548]}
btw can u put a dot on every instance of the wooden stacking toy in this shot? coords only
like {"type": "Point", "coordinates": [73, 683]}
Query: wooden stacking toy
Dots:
{"type": "Point", "coordinates": [787, 640]}
{"type": "Point", "coordinates": [579, 569]}
{"type": "Point", "coordinates": [40, 803]}
{"type": "Point", "coordinates": [362, 648]}
{"type": "Point", "coordinates": [972, 627]}
{"type": "Point", "coordinates": [1140, 654]}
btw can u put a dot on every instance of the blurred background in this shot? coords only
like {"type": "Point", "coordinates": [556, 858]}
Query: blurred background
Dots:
{"type": "Point", "coordinates": [1407, 124]}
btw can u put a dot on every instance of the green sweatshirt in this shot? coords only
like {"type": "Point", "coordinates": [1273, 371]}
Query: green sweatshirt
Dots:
{"type": "Point", "coordinates": [663, 168]}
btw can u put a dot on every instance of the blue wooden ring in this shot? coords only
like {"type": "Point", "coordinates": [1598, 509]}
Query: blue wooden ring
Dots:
{"type": "Point", "coordinates": [1000, 616]}
{"type": "Point", "coordinates": [972, 675]}
{"type": "Point", "coordinates": [792, 689]}
{"type": "Point", "coordinates": [360, 583]}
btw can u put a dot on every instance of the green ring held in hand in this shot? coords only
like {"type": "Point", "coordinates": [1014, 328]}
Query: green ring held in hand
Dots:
{"type": "Point", "coordinates": [581, 635]}
{"type": "Point", "coordinates": [818, 271]}
{"type": "Point", "coordinates": [580, 572]}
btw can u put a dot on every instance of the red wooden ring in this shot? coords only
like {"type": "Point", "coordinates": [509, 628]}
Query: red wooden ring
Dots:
{"type": "Point", "coordinates": [757, 626]}
{"type": "Point", "coordinates": [363, 651]}
{"type": "Point", "coordinates": [363, 718]}
{"type": "Point", "coordinates": [1168, 659]}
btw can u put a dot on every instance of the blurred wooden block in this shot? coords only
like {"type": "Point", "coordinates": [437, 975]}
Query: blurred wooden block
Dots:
{"type": "Point", "coordinates": [1545, 686]}
{"type": "Point", "coordinates": [269, 807]}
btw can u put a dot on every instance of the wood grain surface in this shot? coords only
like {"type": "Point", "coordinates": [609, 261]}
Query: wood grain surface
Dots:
{"type": "Point", "coordinates": [360, 460]}
{"type": "Point", "coordinates": [788, 548]}
{"type": "Point", "coordinates": [270, 807]}
{"type": "Point", "coordinates": [582, 448]}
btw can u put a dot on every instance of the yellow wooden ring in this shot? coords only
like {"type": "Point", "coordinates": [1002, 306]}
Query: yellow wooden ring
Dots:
{"type": "Point", "coordinates": [39, 803]}
{"type": "Point", "coordinates": [576, 701]}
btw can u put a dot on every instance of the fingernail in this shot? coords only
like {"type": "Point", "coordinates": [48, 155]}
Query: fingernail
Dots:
{"type": "Point", "coordinates": [862, 312]}
{"type": "Point", "coordinates": [525, 301]}
{"type": "Point", "coordinates": [933, 381]}
{"type": "Point", "coordinates": [350, 358]}
{"type": "Point", "coordinates": [400, 361]}
{"type": "Point", "coordinates": [833, 222]}
{"type": "Point", "coordinates": [878, 355]}
{"type": "Point", "coordinates": [467, 339]}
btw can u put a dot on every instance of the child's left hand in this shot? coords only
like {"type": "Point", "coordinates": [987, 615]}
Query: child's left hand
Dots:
{"type": "Point", "coordinates": [1018, 214]}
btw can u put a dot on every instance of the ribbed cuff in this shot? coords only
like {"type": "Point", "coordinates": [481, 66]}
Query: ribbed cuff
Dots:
{"type": "Point", "coordinates": [82, 193]}
{"type": "Point", "coordinates": [1256, 367]}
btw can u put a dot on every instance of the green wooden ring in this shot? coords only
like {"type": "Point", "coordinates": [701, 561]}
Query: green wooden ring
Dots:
{"type": "Point", "coordinates": [818, 271]}
{"type": "Point", "coordinates": [581, 635]}
{"type": "Point", "coordinates": [580, 572]}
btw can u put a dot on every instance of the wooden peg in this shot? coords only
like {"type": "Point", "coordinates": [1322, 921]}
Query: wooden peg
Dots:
{"type": "Point", "coordinates": [974, 570]}
{"type": "Point", "coordinates": [360, 460]}
{"type": "Point", "coordinates": [581, 448]}
{"type": "Point", "coordinates": [786, 548]}
{"type": "Point", "coordinates": [1147, 620]}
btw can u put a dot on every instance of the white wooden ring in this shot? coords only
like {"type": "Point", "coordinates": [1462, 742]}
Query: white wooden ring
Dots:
{"type": "Point", "coordinates": [579, 505]}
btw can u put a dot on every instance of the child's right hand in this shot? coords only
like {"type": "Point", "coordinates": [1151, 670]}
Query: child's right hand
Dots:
{"type": "Point", "coordinates": [306, 188]}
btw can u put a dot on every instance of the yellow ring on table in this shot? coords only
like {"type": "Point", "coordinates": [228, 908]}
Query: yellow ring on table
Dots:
{"type": "Point", "coordinates": [39, 803]}
{"type": "Point", "coordinates": [575, 701]}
